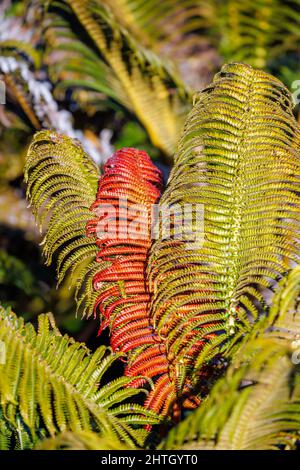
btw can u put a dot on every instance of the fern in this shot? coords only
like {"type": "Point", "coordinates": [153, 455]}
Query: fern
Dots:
{"type": "Point", "coordinates": [50, 384]}
{"type": "Point", "coordinates": [256, 405]}
{"type": "Point", "coordinates": [151, 23]}
{"type": "Point", "coordinates": [179, 31]}
{"type": "Point", "coordinates": [120, 279]}
{"type": "Point", "coordinates": [62, 184]}
{"type": "Point", "coordinates": [285, 307]}
{"type": "Point", "coordinates": [81, 440]}
{"type": "Point", "coordinates": [14, 272]}
{"type": "Point", "coordinates": [239, 158]}
{"type": "Point", "coordinates": [124, 69]}
{"type": "Point", "coordinates": [263, 415]}
{"type": "Point", "coordinates": [204, 298]}
{"type": "Point", "coordinates": [130, 181]}
{"type": "Point", "coordinates": [147, 57]}
{"type": "Point", "coordinates": [19, 54]}
{"type": "Point", "coordinates": [260, 32]}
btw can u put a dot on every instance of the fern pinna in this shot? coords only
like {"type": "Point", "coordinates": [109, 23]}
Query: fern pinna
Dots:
{"type": "Point", "coordinates": [130, 182]}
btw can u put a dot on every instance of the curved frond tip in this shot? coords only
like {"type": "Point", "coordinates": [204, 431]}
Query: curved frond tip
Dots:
{"type": "Point", "coordinates": [61, 186]}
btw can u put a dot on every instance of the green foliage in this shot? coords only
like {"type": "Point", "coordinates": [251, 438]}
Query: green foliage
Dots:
{"type": "Point", "coordinates": [258, 32]}
{"type": "Point", "coordinates": [62, 184]}
{"type": "Point", "coordinates": [285, 307]}
{"type": "Point", "coordinates": [229, 302]}
{"type": "Point", "coordinates": [50, 384]}
{"type": "Point", "coordinates": [14, 272]}
{"type": "Point", "coordinates": [133, 135]}
{"type": "Point", "coordinates": [137, 51]}
{"type": "Point", "coordinates": [238, 159]}
{"type": "Point", "coordinates": [159, 23]}
{"type": "Point", "coordinates": [119, 67]}
{"type": "Point", "coordinates": [257, 404]}
{"type": "Point", "coordinates": [81, 440]}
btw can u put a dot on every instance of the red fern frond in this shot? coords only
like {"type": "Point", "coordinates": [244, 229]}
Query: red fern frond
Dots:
{"type": "Point", "coordinates": [131, 182]}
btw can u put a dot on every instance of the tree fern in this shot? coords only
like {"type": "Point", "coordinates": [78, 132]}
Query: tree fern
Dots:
{"type": "Point", "coordinates": [130, 181]}
{"type": "Point", "coordinates": [263, 415]}
{"type": "Point", "coordinates": [62, 184]}
{"type": "Point", "coordinates": [16, 56]}
{"type": "Point", "coordinates": [258, 32]}
{"type": "Point", "coordinates": [204, 298]}
{"type": "Point", "coordinates": [125, 70]}
{"type": "Point", "coordinates": [239, 158]}
{"type": "Point", "coordinates": [50, 384]}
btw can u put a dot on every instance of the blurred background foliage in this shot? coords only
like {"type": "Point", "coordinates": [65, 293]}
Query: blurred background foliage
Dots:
{"type": "Point", "coordinates": [113, 73]}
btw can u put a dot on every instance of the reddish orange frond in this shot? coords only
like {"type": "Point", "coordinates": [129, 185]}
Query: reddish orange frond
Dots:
{"type": "Point", "coordinates": [131, 184]}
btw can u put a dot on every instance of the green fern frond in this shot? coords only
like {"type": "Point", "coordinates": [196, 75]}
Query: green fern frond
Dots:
{"type": "Point", "coordinates": [50, 384]}
{"type": "Point", "coordinates": [285, 309]}
{"type": "Point", "coordinates": [258, 32]}
{"type": "Point", "coordinates": [121, 68]}
{"type": "Point", "coordinates": [61, 186]}
{"type": "Point", "coordinates": [255, 406]}
{"type": "Point", "coordinates": [238, 161]}
{"type": "Point", "coordinates": [179, 31]}
{"type": "Point", "coordinates": [17, 89]}
{"type": "Point", "coordinates": [81, 440]}
{"type": "Point", "coordinates": [5, 433]}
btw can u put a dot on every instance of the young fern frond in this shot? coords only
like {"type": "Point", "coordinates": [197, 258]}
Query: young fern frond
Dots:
{"type": "Point", "coordinates": [50, 384]}
{"type": "Point", "coordinates": [61, 186]}
{"type": "Point", "coordinates": [238, 160]}
{"type": "Point", "coordinates": [130, 183]}
{"type": "Point", "coordinates": [125, 71]}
